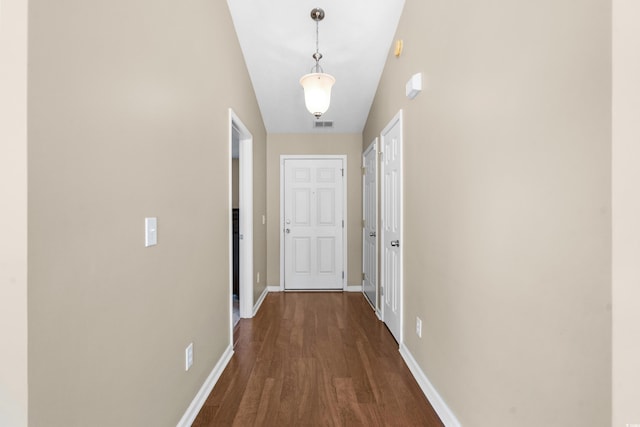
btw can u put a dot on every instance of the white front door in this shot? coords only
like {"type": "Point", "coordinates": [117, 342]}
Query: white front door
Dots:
{"type": "Point", "coordinates": [369, 226]}
{"type": "Point", "coordinates": [313, 224]}
{"type": "Point", "coordinates": [391, 243]}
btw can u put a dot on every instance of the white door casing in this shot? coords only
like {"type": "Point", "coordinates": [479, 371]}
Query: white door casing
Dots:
{"type": "Point", "coordinates": [369, 223]}
{"type": "Point", "coordinates": [391, 225]}
{"type": "Point", "coordinates": [313, 223]}
{"type": "Point", "coordinates": [246, 218]}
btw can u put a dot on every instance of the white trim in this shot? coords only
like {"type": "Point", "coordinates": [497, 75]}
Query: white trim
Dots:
{"type": "Point", "coordinates": [230, 204]}
{"type": "Point", "coordinates": [201, 397]}
{"type": "Point", "coordinates": [345, 257]}
{"type": "Point", "coordinates": [345, 218]}
{"type": "Point", "coordinates": [281, 224]}
{"type": "Point", "coordinates": [272, 288]}
{"type": "Point", "coordinates": [246, 224]}
{"type": "Point", "coordinates": [437, 402]}
{"type": "Point", "coordinates": [353, 288]}
{"type": "Point", "coordinates": [369, 302]}
{"type": "Point", "coordinates": [396, 119]}
{"type": "Point", "coordinates": [259, 302]}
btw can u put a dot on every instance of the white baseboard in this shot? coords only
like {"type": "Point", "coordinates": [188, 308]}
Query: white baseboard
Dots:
{"type": "Point", "coordinates": [370, 305]}
{"type": "Point", "coordinates": [379, 314]}
{"type": "Point", "coordinates": [446, 416]}
{"type": "Point", "coordinates": [198, 401]}
{"type": "Point", "coordinates": [259, 302]}
{"type": "Point", "coordinates": [349, 288]}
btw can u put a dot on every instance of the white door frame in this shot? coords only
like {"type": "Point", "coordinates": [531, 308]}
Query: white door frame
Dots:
{"type": "Point", "coordinates": [342, 157]}
{"type": "Point", "coordinates": [245, 202]}
{"type": "Point", "coordinates": [372, 147]}
{"type": "Point", "coordinates": [396, 119]}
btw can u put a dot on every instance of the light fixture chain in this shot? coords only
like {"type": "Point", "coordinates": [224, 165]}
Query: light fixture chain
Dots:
{"type": "Point", "coordinates": [317, 47]}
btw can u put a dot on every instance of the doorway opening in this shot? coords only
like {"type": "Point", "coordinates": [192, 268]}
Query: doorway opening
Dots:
{"type": "Point", "coordinates": [370, 225]}
{"type": "Point", "coordinates": [241, 221]}
{"type": "Point", "coordinates": [235, 206]}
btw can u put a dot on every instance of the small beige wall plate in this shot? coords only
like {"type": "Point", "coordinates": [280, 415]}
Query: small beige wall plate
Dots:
{"type": "Point", "coordinates": [398, 49]}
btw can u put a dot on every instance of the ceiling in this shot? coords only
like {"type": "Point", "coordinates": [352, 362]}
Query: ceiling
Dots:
{"type": "Point", "coordinates": [277, 38]}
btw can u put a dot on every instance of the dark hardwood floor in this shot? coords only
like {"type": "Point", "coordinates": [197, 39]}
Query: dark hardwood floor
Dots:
{"type": "Point", "coordinates": [316, 359]}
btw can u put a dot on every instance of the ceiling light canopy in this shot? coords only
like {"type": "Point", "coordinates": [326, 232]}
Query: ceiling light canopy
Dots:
{"type": "Point", "coordinates": [317, 84]}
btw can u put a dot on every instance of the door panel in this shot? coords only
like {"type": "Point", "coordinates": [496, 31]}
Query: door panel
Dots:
{"type": "Point", "coordinates": [313, 224]}
{"type": "Point", "coordinates": [301, 206]}
{"type": "Point", "coordinates": [326, 255]}
{"type": "Point", "coordinates": [302, 258]}
{"type": "Point", "coordinates": [391, 223]}
{"type": "Point", "coordinates": [327, 207]}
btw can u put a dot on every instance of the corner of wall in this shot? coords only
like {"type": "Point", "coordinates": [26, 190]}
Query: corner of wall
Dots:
{"type": "Point", "coordinates": [626, 214]}
{"type": "Point", "coordinates": [13, 217]}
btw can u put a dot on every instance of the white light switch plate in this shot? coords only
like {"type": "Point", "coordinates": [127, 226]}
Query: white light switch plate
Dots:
{"type": "Point", "coordinates": [150, 231]}
{"type": "Point", "coordinates": [188, 357]}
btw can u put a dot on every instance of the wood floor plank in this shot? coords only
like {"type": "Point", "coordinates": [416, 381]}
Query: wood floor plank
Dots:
{"type": "Point", "coordinates": [316, 359]}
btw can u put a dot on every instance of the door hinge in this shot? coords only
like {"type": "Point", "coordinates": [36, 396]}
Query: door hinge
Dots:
{"type": "Point", "coordinates": [343, 275]}
{"type": "Point", "coordinates": [342, 171]}
{"type": "Point", "coordinates": [381, 290]}
{"type": "Point", "coordinates": [343, 223]}
{"type": "Point", "coordinates": [364, 171]}
{"type": "Point", "coordinates": [363, 277]}
{"type": "Point", "coordinates": [363, 223]}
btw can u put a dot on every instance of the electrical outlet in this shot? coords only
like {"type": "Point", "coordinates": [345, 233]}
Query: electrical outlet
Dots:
{"type": "Point", "coordinates": [188, 355]}
{"type": "Point", "coordinates": [418, 327]}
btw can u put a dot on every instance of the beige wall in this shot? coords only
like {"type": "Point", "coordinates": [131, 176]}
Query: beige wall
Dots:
{"type": "Point", "coordinates": [347, 144]}
{"type": "Point", "coordinates": [507, 206]}
{"type": "Point", "coordinates": [128, 118]}
{"type": "Point", "coordinates": [13, 213]}
{"type": "Point", "coordinates": [626, 212]}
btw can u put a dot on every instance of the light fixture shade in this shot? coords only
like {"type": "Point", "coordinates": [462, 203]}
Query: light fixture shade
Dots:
{"type": "Point", "coordinates": [317, 92]}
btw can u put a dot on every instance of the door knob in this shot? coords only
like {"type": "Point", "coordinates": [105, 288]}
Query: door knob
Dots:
{"type": "Point", "coordinates": [372, 234]}
{"type": "Point", "coordinates": [395, 243]}
{"type": "Point", "coordinates": [287, 231]}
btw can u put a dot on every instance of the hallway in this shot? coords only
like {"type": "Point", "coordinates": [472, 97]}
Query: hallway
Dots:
{"type": "Point", "coordinates": [316, 359]}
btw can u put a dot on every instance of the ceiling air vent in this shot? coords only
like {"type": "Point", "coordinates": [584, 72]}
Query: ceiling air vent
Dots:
{"type": "Point", "coordinates": [320, 124]}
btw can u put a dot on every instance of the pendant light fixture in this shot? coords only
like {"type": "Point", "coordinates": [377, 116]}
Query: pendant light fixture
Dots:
{"type": "Point", "coordinates": [317, 84]}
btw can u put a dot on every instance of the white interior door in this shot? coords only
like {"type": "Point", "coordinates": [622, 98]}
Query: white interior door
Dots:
{"type": "Point", "coordinates": [391, 141]}
{"type": "Point", "coordinates": [369, 225]}
{"type": "Point", "coordinates": [313, 224]}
